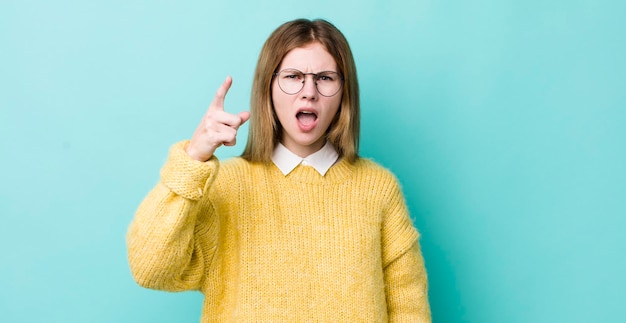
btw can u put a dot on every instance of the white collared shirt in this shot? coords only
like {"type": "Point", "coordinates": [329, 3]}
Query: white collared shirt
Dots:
{"type": "Point", "coordinates": [321, 160]}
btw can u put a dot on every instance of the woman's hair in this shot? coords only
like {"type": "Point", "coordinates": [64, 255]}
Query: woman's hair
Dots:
{"type": "Point", "coordinates": [265, 130]}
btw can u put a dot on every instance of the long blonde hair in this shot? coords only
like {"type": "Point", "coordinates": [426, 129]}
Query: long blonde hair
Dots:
{"type": "Point", "coordinates": [265, 129]}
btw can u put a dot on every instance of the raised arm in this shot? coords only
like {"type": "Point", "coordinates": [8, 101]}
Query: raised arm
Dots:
{"type": "Point", "coordinates": [170, 239]}
{"type": "Point", "coordinates": [174, 233]}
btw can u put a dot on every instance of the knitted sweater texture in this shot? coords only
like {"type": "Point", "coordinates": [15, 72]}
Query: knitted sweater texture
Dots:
{"type": "Point", "coordinates": [265, 247]}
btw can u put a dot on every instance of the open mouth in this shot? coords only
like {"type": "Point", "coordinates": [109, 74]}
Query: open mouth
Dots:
{"type": "Point", "coordinates": [306, 118]}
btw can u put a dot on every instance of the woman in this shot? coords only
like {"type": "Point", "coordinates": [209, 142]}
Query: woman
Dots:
{"type": "Point", "coordinates": [299, 228]}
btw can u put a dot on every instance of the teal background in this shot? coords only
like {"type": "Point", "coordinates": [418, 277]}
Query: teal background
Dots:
{"type": "Point", "coordinates": [504, 121]}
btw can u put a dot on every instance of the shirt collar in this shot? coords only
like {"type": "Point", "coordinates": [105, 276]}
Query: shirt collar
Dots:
{"type": "Point", "coordinates": [321, 160]}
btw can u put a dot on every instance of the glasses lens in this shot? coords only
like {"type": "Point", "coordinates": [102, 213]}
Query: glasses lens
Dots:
{"type": "Point", "coordinates": [292, 81]}
{"type": "Point", "coordinates": [328, 83]}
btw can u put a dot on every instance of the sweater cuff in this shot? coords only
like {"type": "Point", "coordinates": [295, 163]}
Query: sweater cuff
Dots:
{"type": "Point", "coordinates": [185, 176]}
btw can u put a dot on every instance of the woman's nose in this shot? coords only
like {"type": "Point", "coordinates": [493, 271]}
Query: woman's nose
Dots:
{"type": "Point", "coordinates": [309, 90]}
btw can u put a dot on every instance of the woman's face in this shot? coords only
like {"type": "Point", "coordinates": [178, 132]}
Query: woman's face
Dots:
{"type": "Point", "coordinates": [306, 115]}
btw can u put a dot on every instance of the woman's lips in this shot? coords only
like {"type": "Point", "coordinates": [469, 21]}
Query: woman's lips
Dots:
{"type": "Point", "coordinates": [307, 120]}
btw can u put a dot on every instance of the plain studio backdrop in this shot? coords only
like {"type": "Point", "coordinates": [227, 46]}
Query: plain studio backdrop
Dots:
{"type": "Point", "coordinates": [503, 120]}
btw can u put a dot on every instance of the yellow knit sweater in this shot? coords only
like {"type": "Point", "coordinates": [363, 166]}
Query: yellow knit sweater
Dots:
{"type": "Point", "coordinates": [264, 247]}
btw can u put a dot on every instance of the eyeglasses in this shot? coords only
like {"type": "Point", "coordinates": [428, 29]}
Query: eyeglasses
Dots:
{"type": "Point", "coordinates": [291, 81]}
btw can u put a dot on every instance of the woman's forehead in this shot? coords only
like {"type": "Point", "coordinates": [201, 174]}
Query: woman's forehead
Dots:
{"type": "Point", "coordinates": [309, 59]}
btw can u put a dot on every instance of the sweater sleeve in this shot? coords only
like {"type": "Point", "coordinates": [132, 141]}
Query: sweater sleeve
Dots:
{"type": "Point", "coordinates": [406, 288]}
{"type": "Point", "coordinates": [164, 251]}
{"type": "Point", "coordinates": [406, 282]}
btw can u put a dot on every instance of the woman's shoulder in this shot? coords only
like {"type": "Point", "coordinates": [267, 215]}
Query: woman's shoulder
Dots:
{"type": "Point", "coordinates": [234, 162]}
{"type": "Point", "coordinates": [370, 168]}
{"type": "Point", "coordinates": [368, 164]}
{"type": "Point", "coordinates": [239, 167]}
{"type": "Point", "coordinates": [232, 174]}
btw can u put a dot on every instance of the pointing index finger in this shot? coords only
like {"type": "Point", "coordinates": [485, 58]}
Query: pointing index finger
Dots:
{"type": "Point", "coordinates": [218, 100]}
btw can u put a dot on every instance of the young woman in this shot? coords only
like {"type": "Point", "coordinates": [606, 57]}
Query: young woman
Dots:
{"type": "Point", "coordinates": [299, 228]}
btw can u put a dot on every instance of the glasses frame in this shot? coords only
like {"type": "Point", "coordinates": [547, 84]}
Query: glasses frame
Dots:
{"type": "Point", "coordinates": [315, 78]}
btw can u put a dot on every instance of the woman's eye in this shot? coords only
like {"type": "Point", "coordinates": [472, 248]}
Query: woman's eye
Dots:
{"type": "Point", "coordinates": [292, 76]}
{"type": "Point", "coordinates": [325, 78]}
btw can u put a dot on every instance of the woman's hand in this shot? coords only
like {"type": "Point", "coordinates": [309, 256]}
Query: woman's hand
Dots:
{"type": "Point", "coordinates": [217, 127]}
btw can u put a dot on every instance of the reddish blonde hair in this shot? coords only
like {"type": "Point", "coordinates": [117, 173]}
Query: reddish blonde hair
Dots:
{"type": "Point", "coordinates": [265, 129]}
